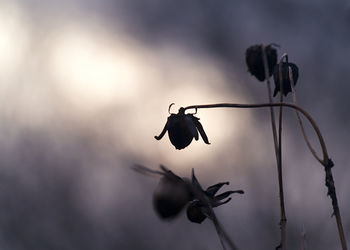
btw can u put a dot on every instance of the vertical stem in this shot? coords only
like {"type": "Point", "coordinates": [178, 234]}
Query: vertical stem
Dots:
{"type": "Point", "coordinates": [328, 165]}
{"type": "Point", "coordinates": [280, 175]}
{"type": "Point", "coordinates": [221, 232]}
{"type": "Point", "coordinates": [267, 78]}
{"type": "Point", "coordinates": [278, 146]}
{"type": "Point", "coordinates": [336, 211]}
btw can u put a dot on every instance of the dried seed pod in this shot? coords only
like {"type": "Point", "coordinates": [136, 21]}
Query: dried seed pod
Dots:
{"type": "Point", "coordinates": [285, 77]}
{"type": "Point", "coordinates": [171, 195]}
{"type": "Point", "coordinates": [255, 63]}
{"type": "Point", "coordinates": [182, 128]}
{"type": "Point", "coordinates": [203, 202]}
{"type": "Point", "coordinates": [194, 213]}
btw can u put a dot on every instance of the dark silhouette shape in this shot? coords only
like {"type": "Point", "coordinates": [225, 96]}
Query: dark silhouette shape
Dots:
{"type": "Point", "coordinates": [182, 128]}
{"type": "Point", "coordinates": [254, 60]}
{"type": "Point", "coordinates": [285, 77]}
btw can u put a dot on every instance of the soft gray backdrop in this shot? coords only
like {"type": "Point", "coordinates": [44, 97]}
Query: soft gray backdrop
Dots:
{"type": "Point", "coordinates": [85, 85]}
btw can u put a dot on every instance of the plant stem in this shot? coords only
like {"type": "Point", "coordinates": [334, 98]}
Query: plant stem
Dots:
{"type": "Point", "coordinates": [263, 105]}
{"type": "Point", "coordinates": [280, 176]}
{"type": "Point", "coordinates": [329, 177]}
{"type": "Point", "coordinates": [326, 162]}
{"type": "Point", "coordinates": [273, 124]}
{"type": "Point", "coordinates": [220, 231]}
{"type": "Point", "coordinates": [277, 144]}
{"type": "Point", "coordinates": [336, 211]}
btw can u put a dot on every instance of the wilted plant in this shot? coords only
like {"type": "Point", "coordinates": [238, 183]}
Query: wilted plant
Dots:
{"type": "Point", "coordinates": [182, 128]}
{"type": "Point", "coordinates": [285, 77]}
{"type": "Point", "coordinates": [173, 193]}
{"type": "Point", "coordinates": [254, 57]}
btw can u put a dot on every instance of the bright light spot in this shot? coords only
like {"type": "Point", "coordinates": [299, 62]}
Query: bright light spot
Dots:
{"type": "Point", "coordinates": [13, 38]}
{"type": "Point", "coordinates": [93, 74]}
{"type": "Point", "coordinates": [184, 79]}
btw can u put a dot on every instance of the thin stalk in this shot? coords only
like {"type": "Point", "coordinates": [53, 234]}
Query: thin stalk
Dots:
{"type": "Point", "coordinates": [221, 232]}
{"type": "Point", "coordinates": [313, 151]}
{"type": "Point", "coordinates": [272, 113]}
{"type": "Point", "coordinates": [280, 175]}
{"type": "Point", "coordinates": [336, 211]}
{"type": "Point", "coordinates": [263, 105]}
{"type": "Point", "coordinates": [329, 176]}
{"type": "Point", "coordinates": [223, 236]}
{"type": "Point", "coordinates": [326, 162]}
{"type": "Point", "coordinates": [278, 147]}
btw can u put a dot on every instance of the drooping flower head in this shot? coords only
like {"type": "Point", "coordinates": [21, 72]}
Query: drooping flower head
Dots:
{"type": "Point", "coordinates": [285, 77]}
{"type": "Point", "coordinates": [203, 202]}
{"type": "Point", "coordinates": [255, 63]}
{"type": "Point", "coordinates": [171, 194]}
{"type": "Point", "coordinates": [182, 128]}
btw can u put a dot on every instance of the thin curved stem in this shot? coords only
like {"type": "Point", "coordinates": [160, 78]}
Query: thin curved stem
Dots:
{"type": "Point", "coordinates": [326, 162]}
{"type": "Point", "coordinates": [313, 151]}
{"type": "Point", "coordinates": [263, 105]}
{"type": "Point", "coordinates": [329, 176]}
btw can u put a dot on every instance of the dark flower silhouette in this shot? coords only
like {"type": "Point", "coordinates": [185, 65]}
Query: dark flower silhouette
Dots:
{"type": "Point", "coordinates": [203, 202]}
{"type": "Point", "coordinates": [182, 128]}
{"type": "Point", "coordinates": [285, 77]}
{"type": "Point", "coordinates": [255, 63]}
{"type": "Point", "coordinates": [171, 195]}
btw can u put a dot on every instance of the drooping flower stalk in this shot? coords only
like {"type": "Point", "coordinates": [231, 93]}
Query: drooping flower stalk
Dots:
{"type": "Point", "coordinates": [328, 170]}
{"type": "Point", "coordinates": [326, 161]}
{"type": "Point", "coordinates": [264, 105]}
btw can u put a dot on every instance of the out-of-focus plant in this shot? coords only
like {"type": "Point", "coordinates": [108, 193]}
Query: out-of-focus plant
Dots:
{"type": "Point", "coordinates": [173, 193]}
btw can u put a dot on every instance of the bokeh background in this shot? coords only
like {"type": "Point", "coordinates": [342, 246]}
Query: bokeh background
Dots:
{"type": "Point", "coordinates": [85, 85]}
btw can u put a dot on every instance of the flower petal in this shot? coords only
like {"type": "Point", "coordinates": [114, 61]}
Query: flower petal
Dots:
{"type": "Point", "coordinates": [191, 126]}
{"type": "Point", "coordinates": [195, 183]}
{"type": "Point", "coordinates": [201, 130]}
{"type": "Point", "coordinates": [163, 132]}
{"type": "Point", "coordinates": [212, 190]}
{"type": "Point", "coordinates": [219, 203]}
{"type": "Point", "coordinates": [226, 194]}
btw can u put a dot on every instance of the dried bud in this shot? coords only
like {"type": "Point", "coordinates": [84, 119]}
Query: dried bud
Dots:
{"type": "Point", "coordinates": [201, 207]}
{"type": "Point", "coordinates": [171, 195]}
{"type": "Point", "coordinates": [255, 63]}
{"type": "Point", "coordinates": [194, 213]}
{"type": "Point", "coordinates": [182, 128]}
{"type": "Point", "coordinates": [285, 77]}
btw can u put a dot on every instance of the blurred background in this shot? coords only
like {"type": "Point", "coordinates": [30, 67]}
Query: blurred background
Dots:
{"type": "Point", "coordinates": [85, 86]}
